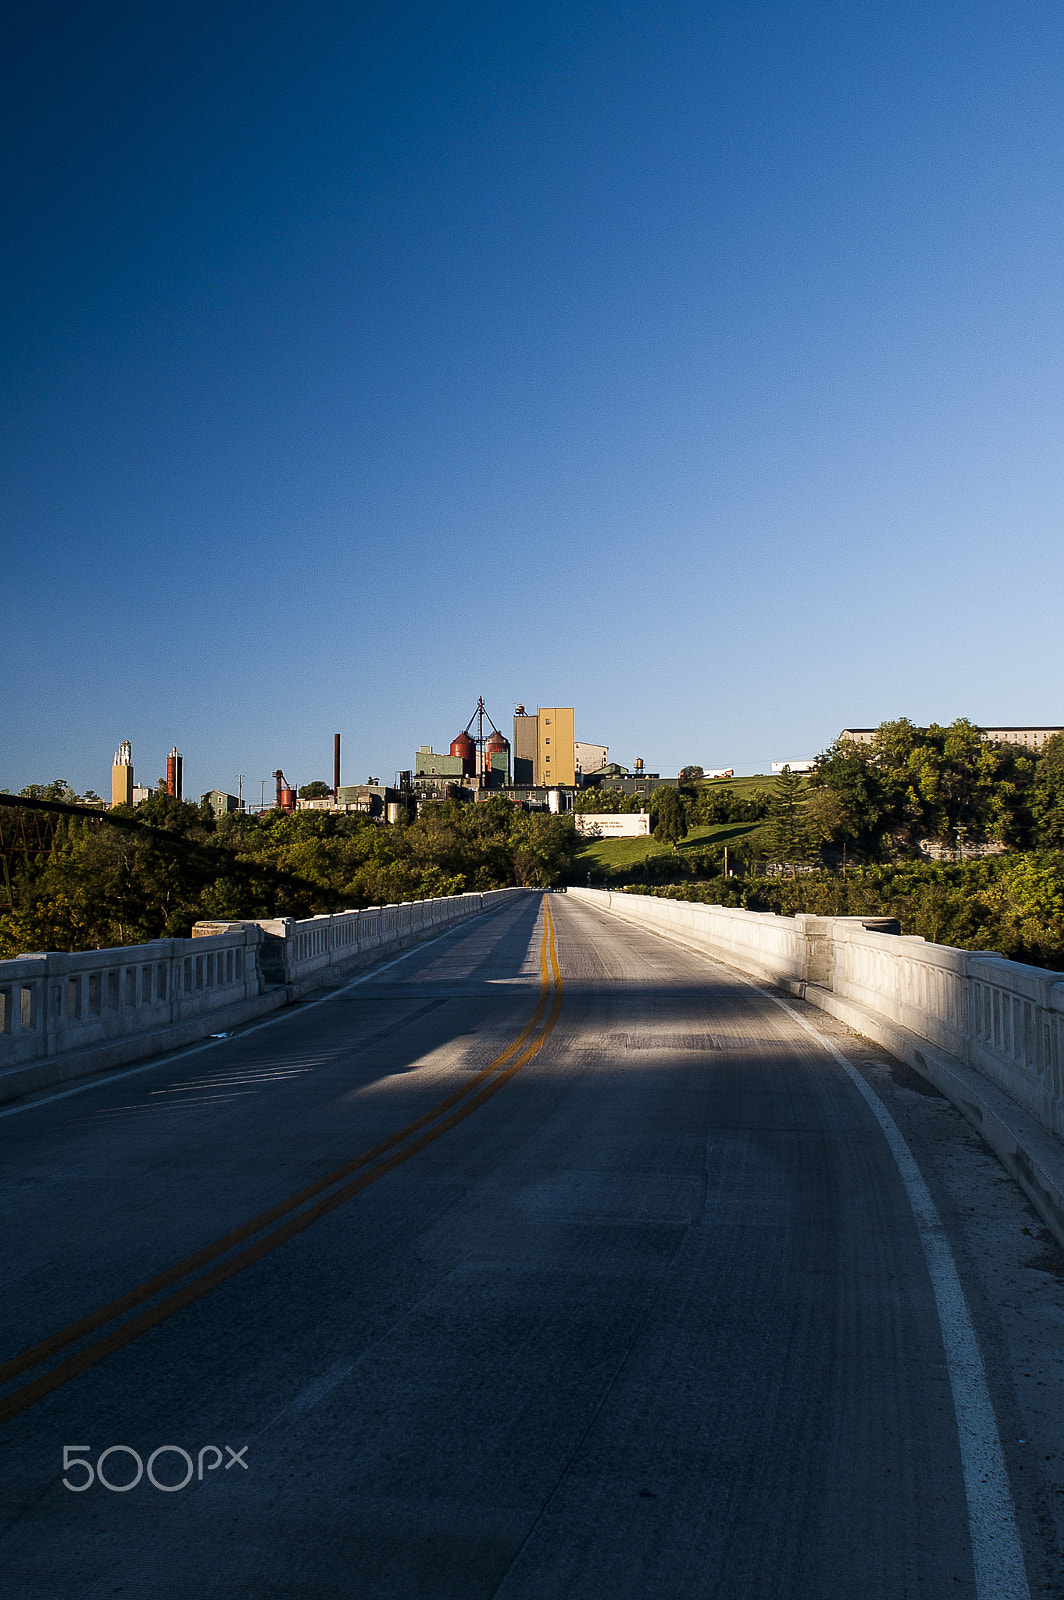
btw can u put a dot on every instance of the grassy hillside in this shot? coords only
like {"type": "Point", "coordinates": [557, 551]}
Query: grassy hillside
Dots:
{"type": "Point", "coordinates": [618, 856]}
{"type": "Point", "coordinates": [745, 786]}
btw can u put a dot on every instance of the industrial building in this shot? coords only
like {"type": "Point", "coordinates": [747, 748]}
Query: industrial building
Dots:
{"type": "Point", "coordinates": [437, 776]}
{"type": "Point", "coordinates": [433, 763]}
{"type": "Point", "coordinates": [542, 770]}
{"type": "Point", "coordinates": [1029, 738]}
{"type": "Point", "coordinates": [370, 798]}
{"type": "Point", "coordinates": [548, 763]}
{"type": "Point", "coordinates": [589, 757]}
{"type": "Point", "coordinates": [614, 779]}
{"type": "Point", "coordinates": [122, 775]}
{"type": "Point", "coordinates": [364, 803]}
{"type": "Point", "coordinates": [545, 758]}
{"type": "Point", "coordinates": [221, 804]}
{"type": "Point", "coordinates": [125, 792]}
{"type": "Point", "coordinates": [477, 761]}
{"type": "Point", "coordinates": [545, 747]}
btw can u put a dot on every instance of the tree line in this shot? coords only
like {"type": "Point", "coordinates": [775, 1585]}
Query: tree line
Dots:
{"type": "Point", "coordinates": [911, 792]}
{"type": "Point", "coordinates": [102, 886]}
{"type": "Point", "coordinates": [946, 785]}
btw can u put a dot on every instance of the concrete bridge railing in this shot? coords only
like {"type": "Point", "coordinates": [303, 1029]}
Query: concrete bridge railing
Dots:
{"type": "Point", "coordinates": [988, 1032]}
{"type": "Point", "coordinates": [65, 1015]}
{"type": "Point", "coordinates": [54, 1003]}
{"type": "Point", "coordinates": [294, 950]}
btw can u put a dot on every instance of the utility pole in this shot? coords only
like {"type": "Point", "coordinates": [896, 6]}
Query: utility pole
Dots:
{"type": "Point", "coordinates": [240, 791]}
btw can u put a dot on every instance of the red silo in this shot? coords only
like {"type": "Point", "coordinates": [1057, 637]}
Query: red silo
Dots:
{"type": "Point", "coordinates": [464, 747]}
{"type": "Point", "coordinates": [497, 745]}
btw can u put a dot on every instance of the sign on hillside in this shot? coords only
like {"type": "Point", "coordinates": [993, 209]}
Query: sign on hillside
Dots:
{"type": "Point", "coordinates": [613, 825]}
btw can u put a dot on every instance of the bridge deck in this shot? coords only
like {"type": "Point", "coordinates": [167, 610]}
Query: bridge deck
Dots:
{"type": "Point", "coordinates": [626, 1298]}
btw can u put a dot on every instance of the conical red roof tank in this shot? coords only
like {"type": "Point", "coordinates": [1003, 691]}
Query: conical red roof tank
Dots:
{"type": "Point", "coordinates": [464, 747]}
{"type": "Point", "coordinates": [497, 745]}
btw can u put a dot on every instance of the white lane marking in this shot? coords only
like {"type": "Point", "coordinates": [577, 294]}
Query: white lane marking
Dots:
{"type": "Point", "coordinates": [310, 1396]}
{"type": "Point", "coordinates": [996, 1550]}
{"type": "Point", "coordinates": [171, 1105]}
{"type": "Point", "coordinates": [98, 1080]}
{"type": "Point", "coordinates": [225, 1081]}
{"type": "Point", "coordinates": [997, 1554]}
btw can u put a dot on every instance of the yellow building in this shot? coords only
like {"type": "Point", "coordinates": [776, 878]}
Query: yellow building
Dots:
{"type": "Point", "coordinates": [122, 776]}
{"type": "Point", "coordinates": [556, 746]}
{"type": "Point", "coordinates": [544, 747]}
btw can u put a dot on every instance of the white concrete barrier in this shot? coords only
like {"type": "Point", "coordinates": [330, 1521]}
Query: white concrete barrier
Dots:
{"type": "Point", "coordinates": [65, 1015]}
{"type": "Point", "coordinates": [294, 951]}
{"type": "Point", "coordinates": [988, 1032]}
{"type": "Point", "coordinates": [54, 1003]}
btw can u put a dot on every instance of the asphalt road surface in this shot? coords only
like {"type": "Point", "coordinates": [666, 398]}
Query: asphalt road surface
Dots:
{"type": "Point", "coordinates": [547, 1262]}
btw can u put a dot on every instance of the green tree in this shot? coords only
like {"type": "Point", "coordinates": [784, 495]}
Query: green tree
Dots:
{"type": "Point", "coordinates": [606, 801]}
{"type": "Point", "coordinates": [788, 833]}
{"type": "Point", "coordinates": [946, 783]}
{"type": "Point", "coordinates": [157, 870]}
{"type": "Point", "coordinates": [670, 816]}
{"type": "Point", "coordinates": [1047, 799]}
{"type": "Point", "coordinates": [58, 789]}
{"type": "Point", "coordinates": [318, 790]}
{"type": "Point", "coordinates": [716, 803]}
{"type": "Point", "coordinates": [848, 797]}
{"type": "Point", "coordinates": [540, 847]}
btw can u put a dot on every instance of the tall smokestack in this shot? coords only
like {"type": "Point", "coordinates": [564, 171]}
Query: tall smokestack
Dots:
{"type": "Point", "coordinates": [336, 766]}
{"type": "Point", "coordinates": [175, 773]}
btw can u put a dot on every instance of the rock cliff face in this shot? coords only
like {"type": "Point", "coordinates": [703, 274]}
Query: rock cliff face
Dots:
{"type": "Point", "coordinates": [933, 850]}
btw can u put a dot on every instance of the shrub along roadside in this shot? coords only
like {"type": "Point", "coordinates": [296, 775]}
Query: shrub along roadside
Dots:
{"type": "Point", "coordinates": [1012, 904]}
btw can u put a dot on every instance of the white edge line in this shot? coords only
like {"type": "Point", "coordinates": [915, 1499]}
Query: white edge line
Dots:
{"type": "Point", "coordinates": [997, 1554]}
{"type": "Point", "coordinates": [996, 1550]}
{"type": "Point", "coordinates": [100, 1080]}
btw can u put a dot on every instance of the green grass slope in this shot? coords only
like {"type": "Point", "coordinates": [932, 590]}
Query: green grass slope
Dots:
{"type": "Point", "coordinates": [612, 856]}
{"type": "Point", "coordinates": [745, 786]}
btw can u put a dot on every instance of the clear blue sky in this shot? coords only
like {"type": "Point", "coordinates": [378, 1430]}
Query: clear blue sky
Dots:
{"type": "Point", "coordinates": [698, 365]}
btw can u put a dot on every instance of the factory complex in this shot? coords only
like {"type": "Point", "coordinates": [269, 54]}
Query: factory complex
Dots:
{"type": "Point", "coordinates": [542, 768]}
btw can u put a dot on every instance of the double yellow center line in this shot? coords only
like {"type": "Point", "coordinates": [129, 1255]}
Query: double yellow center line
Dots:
{"type": "Point", "coordinates": [298, 1211]}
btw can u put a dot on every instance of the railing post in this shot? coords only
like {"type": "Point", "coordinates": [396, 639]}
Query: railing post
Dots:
{"type": "Point", "coordinates": [816, 950]}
